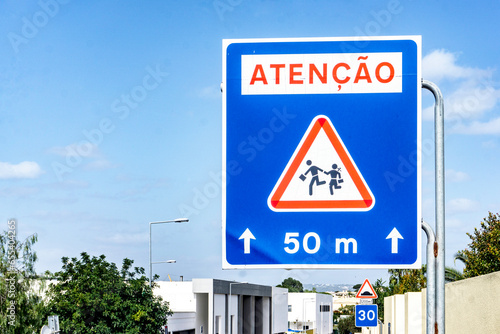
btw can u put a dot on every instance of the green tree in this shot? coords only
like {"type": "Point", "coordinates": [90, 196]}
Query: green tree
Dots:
{"type": "Point", "coordinates": [482, 256]}
{"type": "Point", "coordinates": [292, 285]}
{"type": "Point", "coordinates": [406, 280]}
{"type": "Point", "coordinates": [336, 317]}
{"type": "Point", "coordinates": [347, 325]}
{"type": "Point", "coordinates": [346, 310]}
{"type": "Point", "coordinates": [21, 307]}
{"type": "Point", "coordinates": [452, 275]}
{"type": "Point", "coordinates": [382, 291]}
{"type": "Point", "coordinates": [93, 296]}
{"type": "Point", "coordinates": [460, 257]}
{"type": "Point", "coordinates": [410, 280]}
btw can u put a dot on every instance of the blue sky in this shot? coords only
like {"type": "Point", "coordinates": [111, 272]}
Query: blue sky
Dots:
{"type": "Point", "coordinates": [111, 117]}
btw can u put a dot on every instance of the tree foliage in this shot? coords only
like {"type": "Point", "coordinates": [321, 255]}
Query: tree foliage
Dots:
{"type": "Point", "coordinates": [452, 275]}
{"type": "Point", "coordinates": [346, 310]}
{"type": "Point", "coordinates": [21, 306]}
{"type": "Point", "coordinates": [482, 256]}
{"type": "Point", "coordinates": [406, 280]}
{"type": "Point", "coordinates": [347, 325]}
{"type": "Point", "coordinates": [93, 296]}
{"type": "Point", "coordinates": [292, 285]}
{"type": "Point", "coordinates": [382, 291]}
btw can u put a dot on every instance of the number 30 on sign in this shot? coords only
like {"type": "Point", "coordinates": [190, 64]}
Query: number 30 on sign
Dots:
{"type": "Point", "coordinates": [366, 315]}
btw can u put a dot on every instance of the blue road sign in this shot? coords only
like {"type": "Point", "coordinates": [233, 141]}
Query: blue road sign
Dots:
{"type": "Point", "coordinates": [321, 153]}
{"type": "Point", "coordinates": [366, 315]}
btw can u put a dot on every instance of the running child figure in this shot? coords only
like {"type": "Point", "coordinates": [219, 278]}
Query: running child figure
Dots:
{"type": "Point", "coordinates": [336, 178]}
{"type": "Point", "coordinates": [315, 178]}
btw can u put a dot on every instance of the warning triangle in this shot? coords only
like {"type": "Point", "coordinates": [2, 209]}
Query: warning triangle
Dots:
{"type": "Point", "coordinates": [366, 291]}
{"type": "Point", "coordinates": [321, 175]}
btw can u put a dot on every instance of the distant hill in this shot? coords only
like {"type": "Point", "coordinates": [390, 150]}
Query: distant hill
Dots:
{"type": "Point", "coordinates": [329, 287]}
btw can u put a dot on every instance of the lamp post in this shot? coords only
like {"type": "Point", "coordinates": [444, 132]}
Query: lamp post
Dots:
{"type": "Point", "coordinates": [168, 261]}
{"type": "Point", "coordinates": [230, 321]}
{"type": "Point", "coordinates": [178, 220]}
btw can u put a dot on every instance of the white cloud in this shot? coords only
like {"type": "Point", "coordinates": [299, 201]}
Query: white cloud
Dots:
{"type": "Point", "coordinates": [23, 170]}
{"type": "Point", "coordinates": [440, 64]}
{"type": "Point", "coordinates": [469, 94]}
{"type": "Point", "coordinates": [471, 99]}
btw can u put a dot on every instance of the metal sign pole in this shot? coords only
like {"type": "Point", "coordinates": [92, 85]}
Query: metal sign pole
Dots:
{"type": "Point", "coordinates": [440, 208]}
{"type": "Point", "coordinates": [431, 277]}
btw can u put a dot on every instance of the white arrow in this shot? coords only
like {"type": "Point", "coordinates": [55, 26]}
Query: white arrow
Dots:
{"type": "Point", "coordinates": [394, 235]}
{"type": "Point", "coordinates": [246, 236]}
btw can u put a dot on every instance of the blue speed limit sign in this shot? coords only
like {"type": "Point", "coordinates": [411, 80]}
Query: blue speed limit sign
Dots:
{"type": "Point", "coordinates": [366, 315]}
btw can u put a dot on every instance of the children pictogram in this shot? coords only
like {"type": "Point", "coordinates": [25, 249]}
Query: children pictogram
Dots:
{"type": "Point", "coordinates": [336, 178]}
{"type": "Point", "coordinates": [315, 179]}
{"type": "Point", "coordinates": [303, 183]}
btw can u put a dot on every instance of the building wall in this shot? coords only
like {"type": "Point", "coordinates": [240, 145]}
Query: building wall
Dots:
{"type": "Point", "coordinates": [248, 318]}
{"type": "Point", "coordinates": [179, 295]}
{"type": "Point", "coordinates": [305, 311]}
{"type": "Point", "coordinates": [263, 315]}
{"type": "Point", "coordinates": [343, 300]}
{"type": "Point", "coordinates": [219, 317]}
{"type": "Point", "coordinates": [280, 310]}
{"type": "Point", "coordinates": [395, 314]}
{"type": "Point", "coordinates": [413, 313]}
{"type": "Point", "coordinates": [388, 312]}
{"type": "Point", "coordinates": [472, 306]}
{"type": "Point", "coordinates": [202, 313]}
{"type": "Point", "coordinates": [181, 321]}
{"type": "Point", "coordinates": [207, 305]}
{"type": "Point", "coordinates": [324, 319]}
{"type": "Point", "coordinates": [297, 316]}
{"type": "Point", "coordinates": [233, 315]}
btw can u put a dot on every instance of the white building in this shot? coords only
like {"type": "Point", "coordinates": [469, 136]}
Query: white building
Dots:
{"type": "Point", "coordinates": [342, 299]}
{"type": "Point", "coordinates": [311, 312]}
{"type": "Point", "coordinates": [280, 310]}
{"type": "Point", "coordinates": [211, 306]}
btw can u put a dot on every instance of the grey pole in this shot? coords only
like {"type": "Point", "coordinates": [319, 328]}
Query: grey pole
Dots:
{"type": "Point", "coordinates": [178, 220]}
{"type": "Point", "coordinates": [440, 205]}
{"type": "Point", "coordinates": [431, 278]}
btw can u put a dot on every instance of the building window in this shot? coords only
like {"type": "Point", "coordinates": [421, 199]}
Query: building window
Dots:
{"type": "Point", "coordinates": [324, 308]}
{"type": "Point", "coordinates": [289, 308]}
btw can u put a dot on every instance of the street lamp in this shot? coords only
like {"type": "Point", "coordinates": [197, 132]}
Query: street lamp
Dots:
{"type": "Point", "coordinates": [178, 220]}
{"type": "Point", "coordinates": [230, 320]}
{"type": "Point", "coordinates": [168, 261]}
